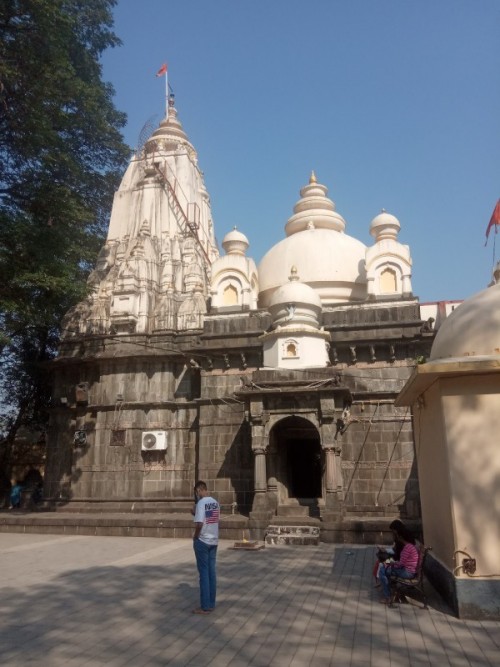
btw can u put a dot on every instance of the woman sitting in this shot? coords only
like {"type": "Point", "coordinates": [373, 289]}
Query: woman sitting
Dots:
{"type": "Point", "coordinates": [387, 554]}
{"type": "Point", "coordinates": [404, 568]}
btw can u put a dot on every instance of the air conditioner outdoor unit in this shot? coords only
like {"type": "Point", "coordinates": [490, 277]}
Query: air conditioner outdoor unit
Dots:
{"type": "Point", "coordinates": [154, 440]}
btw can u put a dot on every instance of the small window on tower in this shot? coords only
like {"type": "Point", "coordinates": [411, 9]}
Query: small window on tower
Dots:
{"type": "Point", "coordinates": [290, 349]}
{"type": "Point", "coordinates": [388, 282]}
{"type": "Point", "coordinates": [230, 297]}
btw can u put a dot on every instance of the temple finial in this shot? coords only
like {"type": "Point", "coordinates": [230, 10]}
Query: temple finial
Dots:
{"type": "Point", "coordinates": [312, 178]}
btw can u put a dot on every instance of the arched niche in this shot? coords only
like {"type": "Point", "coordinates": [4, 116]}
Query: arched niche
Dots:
{"type": "Point", "coordinates": [230, 296]}
{"type": "Point", "coordinates": [388, 281]}
{"type": "Point", "coordinates": [296, 463]}
{"type": "Point", "coordinates": [290, 349]}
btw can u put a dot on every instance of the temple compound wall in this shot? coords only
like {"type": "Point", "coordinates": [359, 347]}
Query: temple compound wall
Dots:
{"type": "Point", "coordinates": [326, 443]}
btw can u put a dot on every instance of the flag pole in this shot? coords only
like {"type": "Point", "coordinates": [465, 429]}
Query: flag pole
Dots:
{"type": "Point", "coordinates": [163, 71]}
{"type": "Point", "coordinates": [166, 94]}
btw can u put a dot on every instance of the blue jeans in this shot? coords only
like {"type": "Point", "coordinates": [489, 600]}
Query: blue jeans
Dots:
{"type": "Point", "coordinates": [205, 561]}
{"type": "Point", "coordinates": [385, 573]}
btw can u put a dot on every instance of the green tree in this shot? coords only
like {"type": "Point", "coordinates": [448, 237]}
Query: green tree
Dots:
{"type": "Point", "coordinates": [61, 156]}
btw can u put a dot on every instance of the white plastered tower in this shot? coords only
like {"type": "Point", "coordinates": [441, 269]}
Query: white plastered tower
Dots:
{"type": "Point", "coordinates": [235, 284]}
{"type": "Point", "coordinates": [160, 244]}
{"type": "Point", "coordinates": [388, 262]}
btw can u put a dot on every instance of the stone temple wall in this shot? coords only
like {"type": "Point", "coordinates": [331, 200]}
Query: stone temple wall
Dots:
{"type": "Point", "coordinates": [193, 386]}
{"type": "Point", "coordinates": [113, 402]}
{"type": "Point", "coordinates": [225, 453]}
{"type": "Point", "coordinates": [378, 458]}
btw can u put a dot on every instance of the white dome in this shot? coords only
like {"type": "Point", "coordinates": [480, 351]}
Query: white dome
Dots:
{"type": "Point", "coordinates": [235, 243]}
{"type": "Point", "coordinates": [472, 329]}
{"type": "Point", "coordinates": [330, 262]}
{"type": "Point", "coordinates": [295, 303]}
{"type": "Point", "coordinates": [384, 226]}
{"type": "Point", "coordinates": [295, 291]}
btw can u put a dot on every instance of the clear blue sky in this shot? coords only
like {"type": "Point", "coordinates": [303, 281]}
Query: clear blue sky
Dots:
{"type": "Point", "coordinates": [394, 103]}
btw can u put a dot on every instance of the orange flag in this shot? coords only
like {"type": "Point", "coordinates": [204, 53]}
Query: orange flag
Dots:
{"type": "Point", "coordinates": [494, 220]}
{"type": "Point", "coordinates": [162, 70]}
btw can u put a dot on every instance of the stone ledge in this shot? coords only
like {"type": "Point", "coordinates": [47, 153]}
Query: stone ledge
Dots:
{"type": "Point", "coordinates": [119, 524]}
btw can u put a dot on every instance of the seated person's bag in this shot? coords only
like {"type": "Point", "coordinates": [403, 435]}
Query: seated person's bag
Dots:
{"type": "Point", "coordinates": [385, 554]}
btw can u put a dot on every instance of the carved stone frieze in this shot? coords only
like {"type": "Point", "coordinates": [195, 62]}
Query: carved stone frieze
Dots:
{"type": "Point", "coordinates": [327, 406]}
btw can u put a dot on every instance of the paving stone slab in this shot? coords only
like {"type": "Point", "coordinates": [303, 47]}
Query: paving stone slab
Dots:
{"type": "Point", "coordinates": [81, 601]}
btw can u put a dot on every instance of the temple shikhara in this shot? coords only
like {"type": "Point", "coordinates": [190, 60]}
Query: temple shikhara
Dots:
{"type": "Point", "coordinates": [275, 383]}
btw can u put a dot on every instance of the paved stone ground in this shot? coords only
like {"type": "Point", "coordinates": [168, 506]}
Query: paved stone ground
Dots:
{"type": "Point", "coordinates": [94, 601]}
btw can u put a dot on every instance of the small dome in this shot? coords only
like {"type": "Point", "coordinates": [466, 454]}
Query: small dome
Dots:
{"type": "Point", "coordinates": [472, 329]}
{"type": "Point", "coordinates": [235, 243]}
{"type": "Point", "coordinates": [295, 303]}
{"type": "Point", "coordinates": [314, 207]}
{"type": "Point", "coordinates": [384, 226]}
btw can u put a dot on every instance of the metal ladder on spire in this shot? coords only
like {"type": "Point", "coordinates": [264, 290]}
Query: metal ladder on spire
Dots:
{"type": "Point", "coordinates": [188, 227]}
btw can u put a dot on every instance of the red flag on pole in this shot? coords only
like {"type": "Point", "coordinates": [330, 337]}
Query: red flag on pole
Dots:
{"type": "Point", "coordinates": [162, 70]}
{"type": "Point", "coordinates": [494, 220]}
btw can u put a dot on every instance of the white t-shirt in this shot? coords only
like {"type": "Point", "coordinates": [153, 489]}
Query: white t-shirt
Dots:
{"type": "Point", "coordinates": [208, 513]}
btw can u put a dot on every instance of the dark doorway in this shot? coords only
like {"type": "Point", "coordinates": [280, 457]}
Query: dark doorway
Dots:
{"type": "Point", "coordinates": [299, 461]}
{"type": "Point", "coordinates": [304, 461]}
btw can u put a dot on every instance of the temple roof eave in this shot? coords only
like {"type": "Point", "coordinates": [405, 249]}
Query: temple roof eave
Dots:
{"type": "Point", "coordinates": [425, 375]}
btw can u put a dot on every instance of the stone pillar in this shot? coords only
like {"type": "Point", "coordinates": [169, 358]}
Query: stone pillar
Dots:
{"type": "Point", "coordinates": [260, 475]}
{"type": "Point", "coordinates": [272, 482]}
{"type": "Point", "coordinates": [331, 482]}
{"type": "Point", "coordinates": [406, 284]}
{"type": "Point", "coordinates": [334, 488]}
{"type": "Point", "coordinates": [338, 473]}
{"type": "Point", "coordinates": [260, 471]}
{"type": "Point", "coordinates": [370, 286]}
{"type": "Point", "coordinates": [245, 298]}
{"type": "Point", "coordinates": [261, 509]}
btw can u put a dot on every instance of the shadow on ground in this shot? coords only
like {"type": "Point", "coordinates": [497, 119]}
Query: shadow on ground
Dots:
{"type": "Point", "coordinates": [305, 606]}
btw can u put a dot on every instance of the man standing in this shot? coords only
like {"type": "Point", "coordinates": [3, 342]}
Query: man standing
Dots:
{"type": "Point", "coordinates": [205, 540]}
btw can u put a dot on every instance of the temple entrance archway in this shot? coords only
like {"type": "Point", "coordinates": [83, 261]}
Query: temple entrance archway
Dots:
{"type": "Point", "coordinates": [296, 462]}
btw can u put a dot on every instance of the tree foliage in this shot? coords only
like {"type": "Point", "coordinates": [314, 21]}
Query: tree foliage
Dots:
{"type": "Point", "coordinates": [61, 155]}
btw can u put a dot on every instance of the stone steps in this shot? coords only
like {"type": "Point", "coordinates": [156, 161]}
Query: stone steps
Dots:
{"type": "Point", "coordinates": [300, 507]}
{"type": "Point", "coordinates": [292, 535]}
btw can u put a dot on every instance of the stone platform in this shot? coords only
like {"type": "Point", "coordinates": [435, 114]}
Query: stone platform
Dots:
{"type": "Point", "coordinates": [180, 524]}
{"type": "Point", "coordinates": [119, 524]}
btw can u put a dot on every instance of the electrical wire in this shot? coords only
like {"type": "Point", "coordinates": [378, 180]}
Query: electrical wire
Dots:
{"type": "Point", "coordinates": [468, 566]}
{"type": "Point", "coordinates": [390, 458]}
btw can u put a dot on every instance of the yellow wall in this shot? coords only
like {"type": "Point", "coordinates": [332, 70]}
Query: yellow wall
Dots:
{"type": "Point", "coordinates": [471, 410]}
{"type": "Point", "coordinates": [434, 476]}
